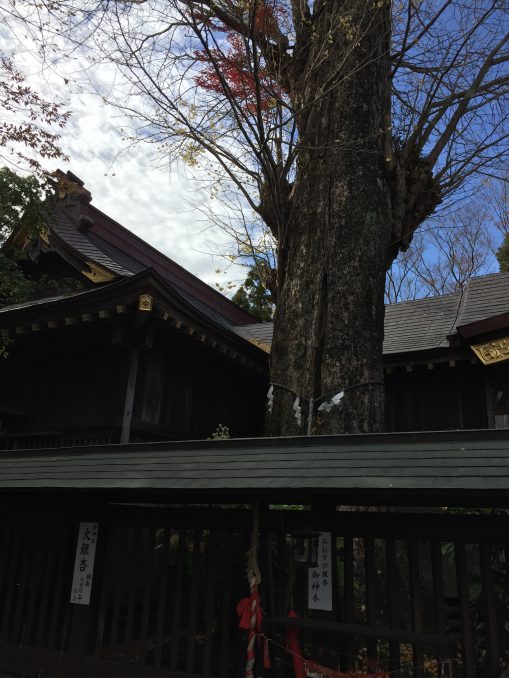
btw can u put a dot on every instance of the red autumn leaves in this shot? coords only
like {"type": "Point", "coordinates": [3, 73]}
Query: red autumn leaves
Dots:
{"type": "Point", "coordinates": [235, 70]}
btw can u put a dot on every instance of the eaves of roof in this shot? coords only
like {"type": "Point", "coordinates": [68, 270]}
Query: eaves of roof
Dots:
{"type": "Point", "coordinates": [171, 308]}
{"type": "Point", "coordinates": [427, 325]}
{"type": "Point", "coordinates": [123, 245]}
{"type": "Point", "coordinates": [468, 465]}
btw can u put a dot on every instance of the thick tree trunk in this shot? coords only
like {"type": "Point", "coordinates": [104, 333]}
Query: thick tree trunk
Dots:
{"type": "Point", "coordinates": [329, 322]}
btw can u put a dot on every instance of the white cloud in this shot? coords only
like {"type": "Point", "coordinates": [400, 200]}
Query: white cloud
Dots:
{"type": "Point", "coordinates": [152, 202]}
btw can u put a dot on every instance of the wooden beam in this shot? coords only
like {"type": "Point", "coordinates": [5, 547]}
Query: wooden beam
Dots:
{"type": "Point", "coordinates": [129, 395]}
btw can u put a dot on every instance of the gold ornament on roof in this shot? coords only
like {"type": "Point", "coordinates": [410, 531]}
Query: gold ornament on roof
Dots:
{"type": "Point", "coordinates": [492, 351]}
{"type": "Point", "coordinates": [145, 302]}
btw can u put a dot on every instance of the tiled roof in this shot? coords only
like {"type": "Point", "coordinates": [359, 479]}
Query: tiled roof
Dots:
{"type": "Point", "coordinates": [393, 463]}
{"type": "Point", "coordinates": [65, 228]}
{"type": "Point", "coordinates": [484, 297]}
{"type": "Point", "coordinates": [110, 245]}
{"type": "Point", "coordinates": [425, 324]}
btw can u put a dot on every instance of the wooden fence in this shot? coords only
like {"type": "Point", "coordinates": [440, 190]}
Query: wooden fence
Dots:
{"type": "Point", "coordinates": [415, 594]}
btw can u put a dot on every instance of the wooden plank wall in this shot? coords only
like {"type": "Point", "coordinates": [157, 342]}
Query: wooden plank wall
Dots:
{"type": "Point", "coordinates": [420, 605]}
{"type": "Point", "coordinates": [417, 595]}
{"type": "Point", "coordinates": [168, 599]}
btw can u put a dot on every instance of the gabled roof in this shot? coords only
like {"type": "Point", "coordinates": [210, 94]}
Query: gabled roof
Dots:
{"type": "Point", "coordinates": [425, 324]}
{"type": "Point", "coordinates": [103, 250]}
{"type": "Point", "coordinates": [66, 233]}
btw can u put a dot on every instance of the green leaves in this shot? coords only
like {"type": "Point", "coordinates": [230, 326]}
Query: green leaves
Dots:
{"type": "Point", "coordinates": [254, 297]}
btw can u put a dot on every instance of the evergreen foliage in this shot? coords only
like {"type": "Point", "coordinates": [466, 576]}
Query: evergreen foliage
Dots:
{"type": "Point", "coordinates": [254, 297]}
{"type": "Point", "coordinates": [503, 254]}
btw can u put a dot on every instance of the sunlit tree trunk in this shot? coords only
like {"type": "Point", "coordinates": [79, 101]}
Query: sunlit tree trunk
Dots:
{"type": "Point", "coordinates": [329, 321]}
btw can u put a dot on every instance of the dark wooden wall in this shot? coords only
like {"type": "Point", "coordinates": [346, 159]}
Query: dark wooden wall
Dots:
{"type": "Point", "coordinates": [73, 385]}
{"type": "Point", "coordinates": [438, 399]}
{"type": "Point", "coordinates": [69, 383]}
{"type": "Point", "coordinates": [187, 391]}
{"type": "Point", "coordinates": [73, 389]}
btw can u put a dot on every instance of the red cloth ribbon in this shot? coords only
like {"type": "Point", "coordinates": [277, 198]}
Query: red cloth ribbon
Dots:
{"type": "Point", "coordinates": [292, 645]}
{"type": "Point", "coordinates": [244, 611]}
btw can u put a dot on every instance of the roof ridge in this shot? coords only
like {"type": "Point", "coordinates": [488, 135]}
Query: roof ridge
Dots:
{"type": "Point", "coordinates": [158, 254]}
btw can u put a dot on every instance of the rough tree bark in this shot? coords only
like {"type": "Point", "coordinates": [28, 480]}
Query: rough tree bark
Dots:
{"type": "Point", "coordinates": [328, 330]}
{"type": "Point", "coordinates": [291, 102]}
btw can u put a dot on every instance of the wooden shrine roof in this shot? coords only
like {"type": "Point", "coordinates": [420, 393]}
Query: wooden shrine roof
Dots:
{"type": "Point", "coordinates": [441, 468]}
{"type": "Point", "coordinates": [170, 309]}
{"type": "Point", "coordinates": [425, 324]}
{"type": "Point", "coordinates": [87, 238]}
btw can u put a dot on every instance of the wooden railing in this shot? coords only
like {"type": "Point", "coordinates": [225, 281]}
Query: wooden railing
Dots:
{"type": "Point", "coordinates": [413, 595]}
{"type": "Point", "coordinates": [48, 439]}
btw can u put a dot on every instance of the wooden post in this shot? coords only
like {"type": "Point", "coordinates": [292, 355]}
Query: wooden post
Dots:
{"type": "Point", "coordinates": [488, 396]}
{"type": "Point", "coordinates": [127, 415]}
{"type": "Point", "coordinates": [490, 612]}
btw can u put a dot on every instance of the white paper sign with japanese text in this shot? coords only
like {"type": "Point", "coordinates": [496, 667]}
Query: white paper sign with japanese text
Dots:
{"type": "Point", "coordinates": [320, 578]}
{"type": "Point", "coordinates": [84, 564]}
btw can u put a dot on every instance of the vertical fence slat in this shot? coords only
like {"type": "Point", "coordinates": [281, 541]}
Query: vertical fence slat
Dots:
{"type": "Point", "coordinates": [490, 613]}
{"type": "Point", "coordinates": [122, 534]}
{"type": "Point", "coordinates": [415, 599]}
{"type": "Point", "coordinates": [193, 601]}
{"type": "Point", "coordinates": [49, 568]}
{"type": "Point", "coordinates": [34, 588]}
{"type": "Point", "coordinates": [437, 578]}
{"type": "Point", "coordinates": [10, 580]}
{"type": "Point", "coordinates": [281, 575]}
{"type": "Point", "coordinates": [5, 554]}
{"type": "Point", "coordinates": [21, 586]}
{"type": "Point", "coordinates": [349, 594]}
{"type": "Point", "coordinates": [392, 598]}
{"type": "Point", "coordinates": [161, 597]}
{"type": "Point", "coordinates": [132, 586]}
{"type": "Point", "coordinates": [111, 541]}
{"type": "Point", "coordinates": [464, 609]}
{"type": "Point", "coordinates": [147, 594]}
{"type": "Point", "coordinates": [177, 600]}
{"type": "Point", "coordinates": [369, 564]}
{"type": "Point", "coordinates": [438, 587]}
{"type": "Point", "coordinates": [58, 583]}
{"type": "Point", "coordinates": [231, 549]}
{"type": "Point", "coordinates": [209, 609]}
